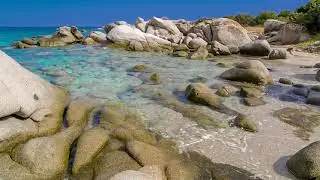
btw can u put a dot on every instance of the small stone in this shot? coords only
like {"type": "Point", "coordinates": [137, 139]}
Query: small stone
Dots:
{"type": "Point", "coordinates": [155, 78]}
{"type": "Point", "coordinates": [139, 68]}
{"type": "Point", "coordinates": [250, 92]}
{"type": "Point", "coordinates": [226, 91]}
{"type": "Point", "coordinates": [247, 124]}
{"type": "Point", "coordinates": [285, 81]}
{"type": "Point", "coordinates": [253, 101]}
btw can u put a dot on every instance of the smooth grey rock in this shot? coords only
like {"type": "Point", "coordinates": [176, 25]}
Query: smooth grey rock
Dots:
{"type": "Point", "coordinates": [256, 48]}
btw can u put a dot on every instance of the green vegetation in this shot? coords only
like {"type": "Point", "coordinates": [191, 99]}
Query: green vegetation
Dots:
{"type": "Point", "coordinates": [309, 42]}
{"type": "Point", "coordinates": [307, 15]}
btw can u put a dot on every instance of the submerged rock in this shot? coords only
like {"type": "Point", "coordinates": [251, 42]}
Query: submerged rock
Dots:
{"type": "Point", "coordinates": [305, 120]}
{"type": "Point", "coordinates": [285, 81]}
{"type": "Point", "coordinates": [155, 78]}
{"type": "Point", "coordinates": [313, 97]}
{"type": "Point", "coordinates": [305, 164]}
{"type": "Point", "coordinates": [252, 71]}
{"type": "Point", "coordinates": [254, 101]}
{"type": "Point", "coordinates": [245, 123]}
{"type": "Point", "coordinates": [318, 76]}
{"type": "Point", "coordinates": [201, 94]}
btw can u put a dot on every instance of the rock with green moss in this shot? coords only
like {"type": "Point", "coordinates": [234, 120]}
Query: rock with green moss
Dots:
{"type": "Point", "coordinates": [155, 78]}
{"type": "Point", "coordinates": [181, 47]}
{"type": "Point", "coordinates": [147, 154]}
{"type": "Point", "coordinates": [13, 170]}
{"type": "Point", "coordinates": [252, 71]}
{"type": "Point", "coordinates": [305, 120]}
{"type": "Point", "coordinates": [250, 92]}
{"type": "Point", "coordinates": [200, 54]}
{"type": "Point", "coordinates": [180, 54]}
{"type": "Point", "coordinates": [285, 81]}
{"type": "Point", "coordinates": [226, 91]}
{"type": "Point", "coordinates": [201, 94]}
{"type": "Point", "coordinates": [254, 101]}
{"type": "Point", "coordinates": [245, 123]}
{"type": "Point", "coordinates": [89, 145]}
{"type": "Point", "coordinates": [187, 110]}
{"type": "Point", "coordinates": [124, 125]}
{"type": "Point", "coordinates": [110, 164]}
{"type": "Point", "coordinates": [135, 46]}
{"type": "Point", "coordinates": [305, 164]}
{"type": "Point", "coordinates": [139, 68]}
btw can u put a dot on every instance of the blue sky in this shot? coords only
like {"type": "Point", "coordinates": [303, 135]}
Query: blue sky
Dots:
{"type": "Point", "coordinates": [98, 12]}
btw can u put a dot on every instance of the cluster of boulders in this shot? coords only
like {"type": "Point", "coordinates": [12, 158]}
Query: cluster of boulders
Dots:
{"type": "Point", "coordinates": [201, 39]}
{"type": "Point", "coordinates": [44, 136]}
{"type": "Point", "coordinates": [279, 32]}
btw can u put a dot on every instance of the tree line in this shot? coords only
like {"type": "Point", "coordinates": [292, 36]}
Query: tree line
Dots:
{"type": "Point", "coordinates": [307, 15]}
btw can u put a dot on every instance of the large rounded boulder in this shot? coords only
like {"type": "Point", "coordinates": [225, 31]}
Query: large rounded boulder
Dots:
{"type": "Point", "coordinates": [272, 25]}
{"type": "Point", "coordinates": [252, 71]}
{"type": "Point", "coordinates": [305, 164]}
{"type": "Point", "coordinates": [256, 48]}
{"type": "Point", "coordinates": [228, 32]}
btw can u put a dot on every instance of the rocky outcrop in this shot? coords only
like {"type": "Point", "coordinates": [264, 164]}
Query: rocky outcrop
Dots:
{"type": "Point", "coordinates": [273, 25]}
{"type": "Point", "coordinates": [305, 164]}
{"type": "Point", "coordinates": [125, 34]}
{"type": "Point", "coordinates": [256, 48]}
{"type": "Point", "coordinates": [318, 76]}
{"type": "Point", "coordinates": [64, 35]}
{"type": "Point", "coordinates": [164, 29]}
{"type": "Point", "coordinates": [200, 54]}
{"type": "Point", "coordinates": [252, 71]}
{"type": "Point", "coordinates": [278, 54]}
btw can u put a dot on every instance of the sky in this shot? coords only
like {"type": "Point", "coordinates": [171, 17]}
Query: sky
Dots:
{"type": "Point", "coordinates": [28, 13]}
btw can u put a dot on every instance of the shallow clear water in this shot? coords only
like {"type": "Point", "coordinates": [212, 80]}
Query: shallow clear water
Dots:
{"type": "Point", "coordinates": [103, 74]}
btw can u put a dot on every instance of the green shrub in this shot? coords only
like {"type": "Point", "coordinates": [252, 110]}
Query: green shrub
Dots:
{"type": "Point", "coordinates": [245, 19]}
{"type": "Point", "coordinates": [262, 17]}
{"type": "Point", "coordinates": [308, 15]}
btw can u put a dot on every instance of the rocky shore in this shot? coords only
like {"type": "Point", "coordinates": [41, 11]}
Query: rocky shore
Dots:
{"type": "Point", "coordinates": [46, 135]}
